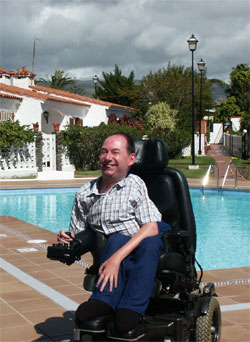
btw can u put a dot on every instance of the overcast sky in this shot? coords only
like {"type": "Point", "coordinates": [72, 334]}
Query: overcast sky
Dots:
{"type": "Point", "coordinates": [87, 37]}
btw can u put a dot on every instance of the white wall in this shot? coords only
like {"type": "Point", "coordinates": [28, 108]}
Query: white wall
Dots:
{"type": "Point", "coordinates": [96, 115]}
{"type": "Point", "coordinates": [7, 107]}
{"type": "Point", "coordinates": [23, 82]}
{"type": "Point", "coordinates": [186, 152]}
{"type": "Point", "coordinates": [216, 137]}
{"type": "Point", "coordinates": [29, 111]}
{"type": "Point", "coordinates": [235, 123]}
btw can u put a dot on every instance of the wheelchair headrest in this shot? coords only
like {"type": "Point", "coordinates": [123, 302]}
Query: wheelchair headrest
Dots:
{"type": "Point", "coordinates": [151, 156]}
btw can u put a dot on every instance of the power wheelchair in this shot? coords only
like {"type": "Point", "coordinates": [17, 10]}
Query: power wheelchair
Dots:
{"type": "Point", "coordinates": [179, 309]}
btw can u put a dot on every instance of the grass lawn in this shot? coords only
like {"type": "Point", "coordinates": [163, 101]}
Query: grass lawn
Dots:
{"type": "Point", "coordinates": [243, 165]}
{"type": "Point", "coordinates": [188, 161]}
{"type": "Point", "coordinates": [181, 164]}
{"type": "Point", "coordinates": [198, 173]}
{"type": "Point", "coordinates": [82, 173]}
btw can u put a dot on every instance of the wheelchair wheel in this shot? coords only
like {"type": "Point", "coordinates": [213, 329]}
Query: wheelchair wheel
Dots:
{"type": "Point", "coordinates": [208, 327]}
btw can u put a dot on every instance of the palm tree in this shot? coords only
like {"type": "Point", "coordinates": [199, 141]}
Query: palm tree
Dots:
{"type": "Point", "coordinates": [57, 81]}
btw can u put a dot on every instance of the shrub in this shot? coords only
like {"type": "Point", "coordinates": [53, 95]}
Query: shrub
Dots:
{"type": "Point", "coordinates": [176, 140]}
{"type": "Point", "coordinates": [13, 134]}
{"type": "Point", "coordinates": [84, 143]}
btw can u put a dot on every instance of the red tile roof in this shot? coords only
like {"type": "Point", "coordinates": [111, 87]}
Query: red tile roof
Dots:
{"type": "Point", "coordinates": [37, 95]}
{"type": "Point", "coordinates": [20, 72]}
{"type": "Point", "coordinates": [76, 96]}
{"type": "Point", "coordinates": [58, 99]}
{"type": "Point", "coordinates": [3, 71]}
{"type": "Point", "coordinates": [7, 96]}
{"type": "Point", "coordinates": [23, 92]}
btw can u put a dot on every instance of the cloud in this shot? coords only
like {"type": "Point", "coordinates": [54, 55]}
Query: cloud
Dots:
{"type": "Point", "coordinates": [86, 37]}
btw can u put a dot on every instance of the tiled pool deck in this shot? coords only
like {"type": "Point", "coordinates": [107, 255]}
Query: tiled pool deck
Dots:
{"type": "Point", "coordinates": [38, 296]}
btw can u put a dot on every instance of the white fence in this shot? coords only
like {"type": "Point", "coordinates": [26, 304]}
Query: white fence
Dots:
{"type": "Point", "coordinates": [237, 146]}
{"type": "Point", "coordinates": [18, 161]}
{"type": "Point", "coordinates": [187, 151]}
{"type": "Point", "coordinates": [22, 161]}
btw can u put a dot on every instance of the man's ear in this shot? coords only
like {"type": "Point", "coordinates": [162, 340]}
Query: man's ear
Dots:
{"type": "Point", "coordinates": [132, 157]}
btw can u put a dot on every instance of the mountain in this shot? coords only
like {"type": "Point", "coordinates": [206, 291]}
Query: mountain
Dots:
{"type": "Point", "coordinates": [88, 87]}
{"type": "Point", "coordinates": [219, 92]}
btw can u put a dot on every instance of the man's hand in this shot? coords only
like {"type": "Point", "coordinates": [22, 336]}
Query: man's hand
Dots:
{"type": "Point", "coordinates": [108, 272]}
{"type": "Point", "coordinates": [65, 237]}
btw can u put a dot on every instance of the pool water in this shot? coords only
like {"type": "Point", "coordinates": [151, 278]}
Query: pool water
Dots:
{"type": "Point", "coordinates": [222, 220]}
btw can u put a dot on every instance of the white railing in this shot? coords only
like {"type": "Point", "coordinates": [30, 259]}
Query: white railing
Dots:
{"type": "Point", "coordinates": [206, 178]}
{"type": "Point", "coordinates": [225, 176]}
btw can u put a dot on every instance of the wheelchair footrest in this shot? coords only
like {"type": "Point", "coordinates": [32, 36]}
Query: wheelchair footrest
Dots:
{"type": "Point", "coordinates": [132, 335]}
{"type": "Point", "coordinates": [97, 325]}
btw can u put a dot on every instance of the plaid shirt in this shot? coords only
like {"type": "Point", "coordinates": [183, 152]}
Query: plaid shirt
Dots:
{"type": "Point", "coordinates": [124, 208]}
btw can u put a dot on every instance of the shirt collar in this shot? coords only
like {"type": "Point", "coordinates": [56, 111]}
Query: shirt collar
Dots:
{"type": "Point", "coordinates": [94, 186]}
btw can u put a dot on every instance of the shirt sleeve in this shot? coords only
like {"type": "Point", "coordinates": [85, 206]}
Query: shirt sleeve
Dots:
{"type": "Point", "coordinates": [78, 220]}
{"type": "Point", "coordinates": [145, 211]}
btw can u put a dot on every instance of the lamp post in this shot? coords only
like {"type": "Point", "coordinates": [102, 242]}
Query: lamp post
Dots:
{"type": "Point", "coordinates": [95, 80]}
{"type": "Point", "coordinates": [201, 66]}
{"type": "Point", "coordinates": [192, 43]}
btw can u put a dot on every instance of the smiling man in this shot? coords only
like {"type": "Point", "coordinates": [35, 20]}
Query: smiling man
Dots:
{"type": "Point", "coordinates": [117, 205]}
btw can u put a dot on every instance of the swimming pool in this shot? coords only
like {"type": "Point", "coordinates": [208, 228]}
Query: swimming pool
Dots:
{"type": "Point", "coordinates": [222, 220]}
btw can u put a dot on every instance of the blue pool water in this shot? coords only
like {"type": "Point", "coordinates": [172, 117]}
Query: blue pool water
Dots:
{"type": "Point", "coordinates": [223, 221]}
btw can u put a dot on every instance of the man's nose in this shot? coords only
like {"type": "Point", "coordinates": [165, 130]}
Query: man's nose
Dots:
{"type": "Point", "coordinates": [108, 156]}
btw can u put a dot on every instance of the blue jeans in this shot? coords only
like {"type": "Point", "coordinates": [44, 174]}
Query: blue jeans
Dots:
{"type": "Point", "coordinates": [136, 274]}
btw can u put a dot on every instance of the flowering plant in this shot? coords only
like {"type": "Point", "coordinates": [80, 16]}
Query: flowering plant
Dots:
{"type": "Point", "coordinates": [36, 126]}
{"type": "Point", "coordinates": [56, 124]}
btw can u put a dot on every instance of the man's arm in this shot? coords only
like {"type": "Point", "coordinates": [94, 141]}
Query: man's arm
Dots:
{"type": "Point", "coordinates": [109, 269]}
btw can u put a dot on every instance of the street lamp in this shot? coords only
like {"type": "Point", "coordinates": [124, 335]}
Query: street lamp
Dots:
{"type": "Point", "coordinates": [201, 66]}
{"type": "Point", "coordinates": [95, 80]}
{"type": "Point", "coordinates": [192, 43]}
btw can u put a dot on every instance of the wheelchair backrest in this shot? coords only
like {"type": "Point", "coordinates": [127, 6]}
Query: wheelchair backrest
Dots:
{"type": "Point", "coordinates": [167, 187]}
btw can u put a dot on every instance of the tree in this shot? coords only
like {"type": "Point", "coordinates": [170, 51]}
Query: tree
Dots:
{"type": "Point", "coordinates": [227, 109]}
{"type": "Point", "coordinates": [173, 86]}
{"type": "Point", "coordinates": [240, 86]}
{"type": "Point", "coordinates": [238, 102]}
{"type": "Point", "coordinates": [161, 116]}
{"type": "Point", "coordinates": [57, 81]}
{"type": "Point", "coordinates": [245, 122]}
{"type": "Point", "coordinates": [115, 87]}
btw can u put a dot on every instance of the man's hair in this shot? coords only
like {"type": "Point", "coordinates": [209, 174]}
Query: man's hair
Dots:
{"type": "Point", "coordinates": [129, 139]}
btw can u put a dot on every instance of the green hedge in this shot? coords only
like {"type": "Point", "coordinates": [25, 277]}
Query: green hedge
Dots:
{"type": "Point", "coordinates": [83, 143]}
{"type": "Point", "coordinates": [13, 134]}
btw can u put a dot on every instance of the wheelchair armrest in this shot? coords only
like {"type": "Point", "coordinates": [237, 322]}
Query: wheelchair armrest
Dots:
{"type": "Point", "coordinates": [174, 241]}
{"type": "Point", "coordinates": [176, 233]}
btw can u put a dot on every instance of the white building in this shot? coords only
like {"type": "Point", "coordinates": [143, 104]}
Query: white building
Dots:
{"type": "Point", "coordinates": [45, 108]}
{"type": "Point", "coordinates": [22, 100]}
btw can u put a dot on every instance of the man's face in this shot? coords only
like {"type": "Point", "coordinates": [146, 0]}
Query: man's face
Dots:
{"type": "Point", "coordinates": [114, 158]}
